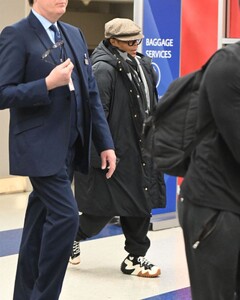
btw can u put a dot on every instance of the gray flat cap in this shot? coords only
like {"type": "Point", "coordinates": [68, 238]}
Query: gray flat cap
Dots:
{"type": "Point", "coordinates": [123, 30]}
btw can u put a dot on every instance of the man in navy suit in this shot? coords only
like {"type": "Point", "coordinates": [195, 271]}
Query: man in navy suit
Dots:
{"type": "Point", "coordinates": [55, 112]}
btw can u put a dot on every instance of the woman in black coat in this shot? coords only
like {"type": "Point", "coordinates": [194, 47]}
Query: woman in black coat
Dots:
{"type": "Point", "coordinates": [127, 86]}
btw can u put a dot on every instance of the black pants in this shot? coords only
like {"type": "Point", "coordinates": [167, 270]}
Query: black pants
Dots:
{"type": "Point", "coordinates": [135, 230]}
{"type": "Point", "coordinates": [212, 244]}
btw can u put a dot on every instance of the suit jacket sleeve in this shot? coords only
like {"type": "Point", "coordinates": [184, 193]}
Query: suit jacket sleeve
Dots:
{"type": "Point", "coordinates": [101, 134]}
{"type": "Point", "coordinates": [14, 90]}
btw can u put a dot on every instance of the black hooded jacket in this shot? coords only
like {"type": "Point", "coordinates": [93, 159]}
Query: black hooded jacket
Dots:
{"type": "Point", "coordinates": [136, 187]}
{"type": "Point", "coordinates": [213, 177]}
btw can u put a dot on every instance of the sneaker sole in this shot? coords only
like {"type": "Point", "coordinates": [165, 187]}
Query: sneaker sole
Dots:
{"type": "Point", "coordinates": [74, 261]}
{"type": "Point", "coordinates": [147, 275]}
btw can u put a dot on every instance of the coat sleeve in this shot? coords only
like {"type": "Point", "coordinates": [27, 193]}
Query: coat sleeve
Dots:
{"type": "Point", "coordinates": [104, 81]}
{"type": "Point", "coordinates": [222, 82]}
{"type": "Point", "coordinates": [105, 75]}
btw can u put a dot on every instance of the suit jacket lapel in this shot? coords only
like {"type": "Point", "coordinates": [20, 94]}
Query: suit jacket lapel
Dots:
{"type": "Point", "coordinates": [40, 32]}
{"type": "Point", "coordinates": [73, 39]}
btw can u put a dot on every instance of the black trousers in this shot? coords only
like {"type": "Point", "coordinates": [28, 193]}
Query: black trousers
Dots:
{"type": "Point", "coordinates": [135, 230]}
{"type": "Point", "coordinates": [212, 244]}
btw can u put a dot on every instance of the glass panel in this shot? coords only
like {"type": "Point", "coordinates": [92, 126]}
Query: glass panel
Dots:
{"type": "Point", "coordinates": [233, 19]}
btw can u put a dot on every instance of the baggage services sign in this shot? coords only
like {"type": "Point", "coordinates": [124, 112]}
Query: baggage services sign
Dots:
{"type": "Point", "coordinates": [161, 29]}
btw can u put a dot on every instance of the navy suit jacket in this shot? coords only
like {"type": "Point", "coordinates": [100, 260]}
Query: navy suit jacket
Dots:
{"type": "Point", "coordinates": [40, 120]}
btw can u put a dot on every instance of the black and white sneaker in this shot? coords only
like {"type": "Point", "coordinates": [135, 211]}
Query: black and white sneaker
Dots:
{"type": "Point", "coordinates": [75, 255]}
{"type": "Point", "coordinates": [139, 266]}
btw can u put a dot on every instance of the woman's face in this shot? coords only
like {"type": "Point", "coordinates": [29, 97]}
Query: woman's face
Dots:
{"type": "Point", "coordinates": [127, 46]}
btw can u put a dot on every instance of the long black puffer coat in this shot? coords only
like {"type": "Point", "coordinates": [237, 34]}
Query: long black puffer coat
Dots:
{"type": "Point", "coordinates": [136, 187]}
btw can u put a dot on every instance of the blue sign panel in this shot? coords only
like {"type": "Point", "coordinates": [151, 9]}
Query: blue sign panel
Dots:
{"type": "Point", "coordinates": [161, 28]}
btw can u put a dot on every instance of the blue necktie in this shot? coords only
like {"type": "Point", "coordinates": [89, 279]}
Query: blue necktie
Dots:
{"type": "Point", "coordinates": [57, 34]}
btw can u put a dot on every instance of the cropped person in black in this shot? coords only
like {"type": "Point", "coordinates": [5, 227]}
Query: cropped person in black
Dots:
{"type": "Point", "coordinates": [209, 203]}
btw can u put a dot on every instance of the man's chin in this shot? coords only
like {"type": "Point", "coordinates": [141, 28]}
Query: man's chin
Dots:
{"type": "Point", "coordinates": [61, 11]}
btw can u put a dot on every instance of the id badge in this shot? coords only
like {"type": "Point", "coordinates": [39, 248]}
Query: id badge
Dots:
{"type": "Point", "coordinates": [71, 85]}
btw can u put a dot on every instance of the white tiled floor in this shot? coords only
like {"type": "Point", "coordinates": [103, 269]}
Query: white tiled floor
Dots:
{"type": "Point", "coordinates": [98, 276]}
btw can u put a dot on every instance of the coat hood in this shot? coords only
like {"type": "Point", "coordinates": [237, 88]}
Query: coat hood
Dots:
{"type": "Point", "coordinates": [102, 53]}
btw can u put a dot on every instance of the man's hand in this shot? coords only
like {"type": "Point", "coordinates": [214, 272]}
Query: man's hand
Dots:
{"type": "Point", "coordinates": [60, 75]}
{"type": "Point", "coordinates": [108, 159]}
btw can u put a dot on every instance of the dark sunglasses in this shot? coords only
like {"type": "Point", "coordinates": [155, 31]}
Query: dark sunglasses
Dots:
{"type": "Point", "coordinates": [133, 42]}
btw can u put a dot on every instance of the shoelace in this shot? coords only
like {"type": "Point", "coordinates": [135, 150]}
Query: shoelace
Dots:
{"type": "Point", "coordinates": [144, 262]}
{"type": "Point", "coordinates": [76, 249]}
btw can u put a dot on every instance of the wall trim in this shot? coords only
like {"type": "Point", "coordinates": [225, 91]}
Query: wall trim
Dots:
{"type": "Point", "coordinates": [15, 184]}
